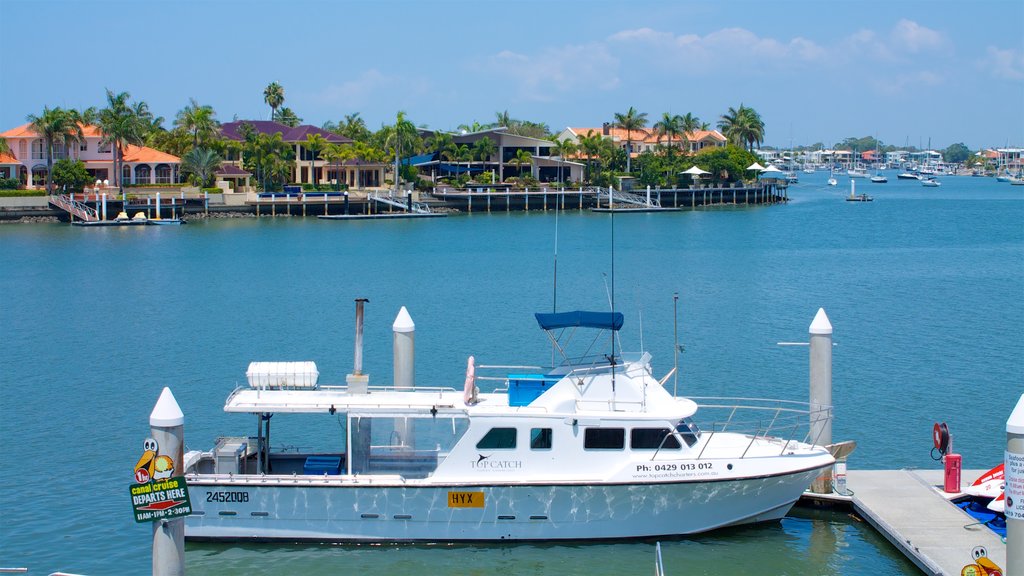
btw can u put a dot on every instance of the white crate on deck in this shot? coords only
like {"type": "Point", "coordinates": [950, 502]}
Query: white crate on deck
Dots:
{"type": "Point", "coordinates": [270, 375]}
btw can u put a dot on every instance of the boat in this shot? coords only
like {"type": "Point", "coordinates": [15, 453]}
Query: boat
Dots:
{"type": "Point", "coordinates": [857, 173]}
{"type": "Point", "coordinates": [1016, 181]}
{"type": "Point", "coordinates": [930, 182]}
{"type": "Point", "coordinates": [859, 198]}
{"type": "Point", "coordinates": [166, 221]}
{"type": "Point", "coordinates": [879, 178]}
{"type": "Point", "coordinates": [986, 499]}
{"type": "Point", "coordinates": [594, 447]}
{"type": "Point", "coordinates": [832, 181]}
{"type": "Point", "coordinates": [907, 176]}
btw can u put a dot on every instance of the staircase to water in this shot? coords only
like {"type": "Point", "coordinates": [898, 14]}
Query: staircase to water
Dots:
{"type": "Point", "coordinates": [74, 207]}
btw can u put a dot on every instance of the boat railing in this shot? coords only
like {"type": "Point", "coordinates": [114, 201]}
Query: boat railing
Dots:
{"type": "Point", "coordinates": [783, 422]}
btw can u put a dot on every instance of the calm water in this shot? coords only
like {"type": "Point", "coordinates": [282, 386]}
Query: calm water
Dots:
{"type": "Point", "coordinates": [924, 287]}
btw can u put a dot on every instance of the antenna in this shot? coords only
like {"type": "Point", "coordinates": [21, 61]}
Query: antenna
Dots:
{"type": "Point", "coordinates": [675, 334]}
{"type": "Point", "coordinates": [611, 300]}
{"type": "Point", "coordinates": [554, 284]}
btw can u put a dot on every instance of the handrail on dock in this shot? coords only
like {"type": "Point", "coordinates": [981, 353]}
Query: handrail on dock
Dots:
{"type": "Point", "coordinates": [74, 207]}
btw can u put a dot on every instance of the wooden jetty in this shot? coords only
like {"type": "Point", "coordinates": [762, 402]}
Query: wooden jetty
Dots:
{"type": "Point", "coordinates": [910, 509]}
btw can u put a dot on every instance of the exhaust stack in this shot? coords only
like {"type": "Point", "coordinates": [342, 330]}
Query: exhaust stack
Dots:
{"type": "Point", "coordinates": [358, 383]}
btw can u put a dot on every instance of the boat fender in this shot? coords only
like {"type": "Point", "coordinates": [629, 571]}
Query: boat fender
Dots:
{"type": "Point", "coordinates": [940, 438]}
{"type": "Point", "coordinates": [470, 390]}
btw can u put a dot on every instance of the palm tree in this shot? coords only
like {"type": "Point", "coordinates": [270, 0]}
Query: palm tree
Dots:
{"type": "Point", "coordinates": [199, 120]}
{"type": "Point", "coordinates": [287, 117]}
{"type": "Point", "coordinates": [404, 131]}
{"type": "Point", "coordinates": [743, 126]}
{"type": "Point", "coordinates": [474, 127]}
{"type": "Point", "coordinates": [443, 144]}
{"type": "Point", "coordinates": [56, 126]}
{"type": "Point", "coordinates": [337, 154]}
{"type": "Point", "coordinates": [630, 121]}
{"type": "Point", "coordinates": [669, 125]}
{"type": "Point", "coordinates": [521, 157]}
{"type": "Point", "coordinates": [121, 125]}
{"type": "Point", "coordinates": [202, 164]}
{"type": "Point", "coordinates": [273, 95]}
{"type": "Point", "coordinates": [483, 149]}
{"type": "Point", "coordinates": [464, 153]}
{"type": "Point", "coordinates": [314, 144]}
{"type": "Point", "coordinates": [591, 146]}
{"type": "Point", "coordinates": [688, 124]}
{"type": "Point", "coordinates": [503, 120]}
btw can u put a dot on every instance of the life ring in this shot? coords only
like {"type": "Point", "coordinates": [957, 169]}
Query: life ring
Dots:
{"type": "Point", "coordinates": [940, 437]}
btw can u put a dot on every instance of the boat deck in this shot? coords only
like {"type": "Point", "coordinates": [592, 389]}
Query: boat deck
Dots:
{"type": "Point", "coordinates": [909, 508]}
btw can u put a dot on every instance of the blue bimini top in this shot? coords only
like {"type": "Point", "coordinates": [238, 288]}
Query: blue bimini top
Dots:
{"type": "Point", "coordinates": [579, 318]}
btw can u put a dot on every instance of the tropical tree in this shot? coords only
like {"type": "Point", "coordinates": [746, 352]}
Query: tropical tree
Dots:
{"type": "Point", "coordinates": [743, 126]}
{"type": "Point", "coordinates": [443, 144]}
{"type": "Point", "coordinates": [631, 121]}
{"type": "Point", "coordinates": [337, 154]}
{"type": "Point", "coordinates": [688, 124]}
{"type": "Point", "coordinates": [463, 153]}
{"type": "Point", "coordinates": [473, 127]}
{"type": "Point", "coordinates": [201, 164]}
{"type": "Point", "coordinates": [287, 117]}
{"type": "Point", "coordinates": [122, 124]}
{"type": "Point", "coordinates": [590, 145]}
{"type": "Point", "coordinates": [483, 149]}
{"type": "Point", "coordinates": [561, 149]}
{"type": "Point", "coordinates": [70, 175]}
{"type": "Point", "coordinates": [314, 144]}
{"type": "Point", "coordinates": [352, 127]}
{"type": "Point", "coordinates": [521, 157]}
{"type": "Point", "coordinates": [669, 126]}
{"type": "Point", "coordinates": [502, 120]}
{"type": "Point", "coordinates": [57, 127]}
{"type": "Point", "coordinates": [401, 136]}
{"type": "Point", "coordinates": [273, 95]}
{"type": "Point", "coordinates": [198, 120]}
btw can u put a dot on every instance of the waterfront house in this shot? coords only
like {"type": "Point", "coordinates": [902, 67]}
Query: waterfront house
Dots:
{"type": "Point", "coordinates": [647, 139]}
{"type": "Point", "coordinates": [307, 169]}
{"type": "Point", "coordinates": [543, 166]}
{"type": "Point", "coordinates": [28, 157]}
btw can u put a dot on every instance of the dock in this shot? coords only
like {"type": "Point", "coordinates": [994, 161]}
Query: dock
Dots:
{"type": "Point", "coordinates": [910, 509]}
{"type": "Point", "coordinates": [382, 216]}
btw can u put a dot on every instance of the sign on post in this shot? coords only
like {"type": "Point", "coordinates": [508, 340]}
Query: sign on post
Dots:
{"type": "Point", "coordinates": [157, 495]}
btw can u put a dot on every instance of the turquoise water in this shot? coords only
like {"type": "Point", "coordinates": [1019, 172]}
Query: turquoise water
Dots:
{"type": "Point", "coordinates": [923, 286]}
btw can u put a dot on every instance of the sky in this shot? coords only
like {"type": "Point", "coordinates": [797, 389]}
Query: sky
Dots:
{"type": "Point", "coordinates": [908, 72]}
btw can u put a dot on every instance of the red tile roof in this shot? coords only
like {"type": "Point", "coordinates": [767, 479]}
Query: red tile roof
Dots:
{"type": "Point", "coordinates": [649, 135]}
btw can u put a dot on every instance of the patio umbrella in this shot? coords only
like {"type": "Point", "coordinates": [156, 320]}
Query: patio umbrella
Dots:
{"type": "Point", "coordinates": [771, 168]}
{"type": "Point", "coordinates": [755, 166]}
{"type": "Point", "coordinates": [694, 171]}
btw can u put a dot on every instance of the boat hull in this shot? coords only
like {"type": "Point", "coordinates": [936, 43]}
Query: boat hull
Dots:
{"type": "Point", "coordinates": [374, 513]}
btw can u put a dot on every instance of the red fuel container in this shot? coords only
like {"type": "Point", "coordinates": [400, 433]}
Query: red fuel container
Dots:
{"type": "Point", "coordinates": [952, 463]}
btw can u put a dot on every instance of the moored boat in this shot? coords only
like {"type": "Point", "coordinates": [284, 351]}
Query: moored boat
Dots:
{"type": "Point", "coordinates": [930, 183]}
{"type": "Point", "coordinates": [592, 448]}
{"type": "Point", "coordinates": [907, 176]}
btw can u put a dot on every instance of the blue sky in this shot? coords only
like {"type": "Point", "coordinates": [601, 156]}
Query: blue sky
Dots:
{"type": "Point", "coordinates": [951, 71]}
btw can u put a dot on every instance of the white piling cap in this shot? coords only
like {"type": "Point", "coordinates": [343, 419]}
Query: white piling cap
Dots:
{"type": "Point", "coordinates": [1015, 424]}
{"type": "Point", "coordinates": [820, 324]}
{"type": "Point", "coordinates": [166, 413]}
{"type": "Point", "coordinates": [403, 322]}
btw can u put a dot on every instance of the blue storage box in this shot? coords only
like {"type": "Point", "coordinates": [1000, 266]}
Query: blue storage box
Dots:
{"type": "Point", "coordinates": [525, 388]}
{"type": "Point", "coordinates": [320, 465]}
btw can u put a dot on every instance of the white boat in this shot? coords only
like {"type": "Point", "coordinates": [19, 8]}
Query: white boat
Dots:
{"type": "Point", "coordinates": [907, 176]}
{"type": "Point", "coordinates": [832, 181]}
{"type": "Point", "coordinates": [879, 178]}
{"type": "Point", "coordinates": [593, 448]}
{"type": "Point", "coordinates": [857, 173]}
{"type": "Point", "coordinates": [930, 182]}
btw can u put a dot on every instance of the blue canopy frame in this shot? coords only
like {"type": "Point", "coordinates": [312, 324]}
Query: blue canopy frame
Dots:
{"type": "Point", "coordinates": [579, 318]}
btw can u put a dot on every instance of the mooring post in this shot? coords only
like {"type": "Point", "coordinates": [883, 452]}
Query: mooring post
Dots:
{"type": "Point", "coordinates": [404, 346]}
{"type": "Point", "coordinates": [1013, 465]}
{"type": "Point", "coordinates": [821, 392]}
{"type": "Point", "coordinates": [167, 427]}
{"type": "Point", "coordinates": [157, 206]}
{"type": "Point", "coordinates": [206, 203]}
{"type": "Point", "coordinates": [104, 217]}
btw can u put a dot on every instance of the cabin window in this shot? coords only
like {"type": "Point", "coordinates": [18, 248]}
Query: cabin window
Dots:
{"type": "Point", "coordinates": [540, 439]}
{"type": "Point", "coordinates": [652, 439]}
{"type": "Point", "coordinates": [498, 439]}
{"type": "Point", "coordinates": [689, 431]}
{"type": "Point", "coordinates": [604, 438]}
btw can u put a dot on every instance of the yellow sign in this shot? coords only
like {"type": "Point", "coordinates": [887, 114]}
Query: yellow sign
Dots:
{"type": "Point", "coordinates": [465, 499]}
